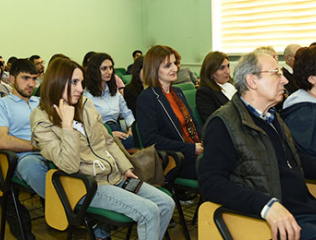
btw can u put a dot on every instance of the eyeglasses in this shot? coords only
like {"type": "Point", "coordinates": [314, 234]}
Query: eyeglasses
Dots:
{"type": "Point", "coordinates": [277, 72]}
{"type": "Point", "coordinates": [40, 63]}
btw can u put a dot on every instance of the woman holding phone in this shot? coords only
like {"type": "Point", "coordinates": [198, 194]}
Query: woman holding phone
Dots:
{"type": "Point", "coordinates": [69, 131]}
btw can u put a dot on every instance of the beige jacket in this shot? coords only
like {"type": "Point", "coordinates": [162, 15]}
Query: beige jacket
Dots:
{"type": "Point", "coordinates": [96, 154]}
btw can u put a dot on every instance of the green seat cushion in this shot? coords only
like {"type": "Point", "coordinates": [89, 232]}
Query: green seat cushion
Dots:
{"type": "Point", "coordinates": [190, 183]}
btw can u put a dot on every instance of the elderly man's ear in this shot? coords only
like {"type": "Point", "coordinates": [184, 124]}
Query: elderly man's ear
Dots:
{"type": "Point", "coordinates": [251, 80]}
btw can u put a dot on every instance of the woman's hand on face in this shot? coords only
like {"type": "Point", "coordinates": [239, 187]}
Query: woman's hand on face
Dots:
{"type": "Point", "coordinates": [199, 148]}
{"type": "Point", "coordinates": [129, 173]}
{"type": "Point", "coordinates": [66, 113]}
{"type": "Point", "coordinates": [120, 135]}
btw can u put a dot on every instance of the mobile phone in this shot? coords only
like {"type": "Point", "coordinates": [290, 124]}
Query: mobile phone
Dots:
{"type": "Point", "coordinates": [132, 184]}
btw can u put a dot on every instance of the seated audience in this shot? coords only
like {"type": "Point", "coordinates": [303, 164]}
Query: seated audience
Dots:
{"type": "Point", "coordinates": [136, 54]}
{"type": "Point", "coordinates": [289, 56]}
{"type": "Point", "coordinates": [250, 163]}
{"type": "Point", "coordinates": [72, 135]}
{"type": "Point", "coordinates": [15, 135]}
{"type": "Point", "coordinates": [216, 86]}
{"type": "Point", "coordinates": [163, 114]}
{"type": "Point", "coordinates": [101, 89]}
{"type": "Point", "coordinates": [185, 74]}
{"type": "Point", "coordinates": [299, 109]}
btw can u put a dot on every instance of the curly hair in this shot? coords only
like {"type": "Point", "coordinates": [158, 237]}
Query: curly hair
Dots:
{"type": "Point", "coordinates": [304, 67]}
{"type": "Point", "coordinates": [93, 80]}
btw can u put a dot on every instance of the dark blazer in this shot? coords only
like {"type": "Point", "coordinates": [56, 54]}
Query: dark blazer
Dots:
{"type": "Point", "coordinates": [159, 125]}
{"type": "Point", "coordinates": [208, 100]}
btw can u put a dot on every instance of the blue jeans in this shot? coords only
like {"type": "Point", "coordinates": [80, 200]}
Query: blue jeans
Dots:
{"type": "Point", "coordinates": [151, 208]}
{"type": "Point", "coordinates": [129, 141]}
{"type": "Point", "coordinates": [32, 168]}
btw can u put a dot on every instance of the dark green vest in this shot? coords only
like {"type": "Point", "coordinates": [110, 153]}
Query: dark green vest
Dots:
{"type": "Point", "coordinates": [257, 165]}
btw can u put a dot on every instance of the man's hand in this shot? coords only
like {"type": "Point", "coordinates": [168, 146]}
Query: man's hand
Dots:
{"type": "Point", "coordinates": [283, 222]}
{"type": "Point", "coordinates": [120, 135]}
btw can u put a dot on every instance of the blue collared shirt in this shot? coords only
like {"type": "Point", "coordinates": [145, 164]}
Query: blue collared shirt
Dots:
{"type": "Point", "coordinates": [110, 107]}
{"type": "Point", "coordinates": [15, 114]}
{"type": "Point", "coordinates": [268, 117]}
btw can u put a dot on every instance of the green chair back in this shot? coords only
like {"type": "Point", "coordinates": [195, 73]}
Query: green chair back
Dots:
{"type": "Point", "coordinates": [190, 97]}
{"type": "Point", "coordinates": [120, 71]}
{"type": "Point", "coordinates": [197, 116]}
{"type": "Point", "coordinates": [127, 79]}
{"type": "Point", "coordinates": [185, 86]}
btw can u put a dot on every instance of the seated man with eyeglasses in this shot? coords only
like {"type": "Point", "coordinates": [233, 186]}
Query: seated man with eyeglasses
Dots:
{"type": "Point", "coordinates": [250, 163]}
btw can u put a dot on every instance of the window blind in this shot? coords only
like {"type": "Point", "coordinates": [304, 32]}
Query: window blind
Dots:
{"type": "Point", "coordinates": [240, 26]}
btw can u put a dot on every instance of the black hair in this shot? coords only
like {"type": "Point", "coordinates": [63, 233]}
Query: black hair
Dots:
{"type": "Point", "coordinates": [22, 65]}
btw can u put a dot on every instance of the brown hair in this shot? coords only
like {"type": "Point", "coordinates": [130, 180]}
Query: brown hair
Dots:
{"type": "Point", "coordinates": [210, 65]}
{"type": "Point", "coordinates": [152, 60]}
{"type": "Point", "coordinates": [58, 74]}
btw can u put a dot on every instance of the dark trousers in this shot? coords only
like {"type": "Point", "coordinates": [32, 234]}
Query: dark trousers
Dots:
{"type": "Point", "coordinates": [308, 224]}
{"type": "Point", "coordinates": [128, 142]}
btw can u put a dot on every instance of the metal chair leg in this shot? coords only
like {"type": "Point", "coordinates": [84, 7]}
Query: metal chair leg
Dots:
{"type": "Point", "coordinates": [182, 219]}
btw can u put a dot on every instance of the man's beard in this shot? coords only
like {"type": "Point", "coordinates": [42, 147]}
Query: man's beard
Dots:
{"type": "Point", "coordinates": [21, 92]}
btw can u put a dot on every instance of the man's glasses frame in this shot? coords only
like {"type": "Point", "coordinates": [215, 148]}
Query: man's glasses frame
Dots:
{"type": "Point", "coordinates": [277, 72]}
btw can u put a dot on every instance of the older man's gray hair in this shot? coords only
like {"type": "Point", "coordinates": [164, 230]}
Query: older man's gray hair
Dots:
{"type": "Point", "coordinates": [247, 64]}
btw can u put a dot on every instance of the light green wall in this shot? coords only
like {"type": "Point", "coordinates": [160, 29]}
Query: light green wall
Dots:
{"type": "Point", "coordinates": [74, 27]}
{"type": "Point", "coordinates": [185, 25]}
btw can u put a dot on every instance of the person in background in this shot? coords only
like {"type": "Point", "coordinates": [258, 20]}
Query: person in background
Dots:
{"type": "Point", "coordinates": [135, 54]}
{"type": "Point", "coordinates": [101, 89]}
{"type": "Point", "coordinates": [132, 91]}
{"type": "Point", "coordinates": [184, 74]}
{"type": "Point", "coordinates": [216, 86]}
{"type": "Point", "coordinates": [136, 86]}
{"type": "Point", "coordinates": [40, 67]}
{"type": "Point", "coordinates": [86, 59]}
{"type": "Point", "coordinates": [4, 75]}
{"type": "Point", "coordinates": [268, 50]}
{"type": "Point", "coordinates": [289, 56]}
{"type": "Point", "coordinates": [57, 55]}
{"type": "Point", "coordinates": [119, 82]}
{"type": "Point", "coordinates": [5, 88]}
{"type": "Point", "coordinates": [163, 115]}
{"type": "Point", "coordinates": [69, 131]}
{"type": "Point", "coordinates": [299, 109]}
{"type": "Point", "coordinates": [9, 63]}
{"type": "Point", "coordinates": [250, 163]}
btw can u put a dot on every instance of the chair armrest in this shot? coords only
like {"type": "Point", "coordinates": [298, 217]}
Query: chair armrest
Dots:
{"type": "Point", "coordinates": [172, 164]}
{"type": "Point", "coordinates": [222, 222]}
{"type": "Point", "coordinates": [70, 189]}
{"type": "Point", "coordinates": [8, 162]}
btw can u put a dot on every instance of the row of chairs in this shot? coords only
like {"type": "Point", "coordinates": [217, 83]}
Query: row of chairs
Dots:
{"type": "Point", "coordinates": [63, 192]}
